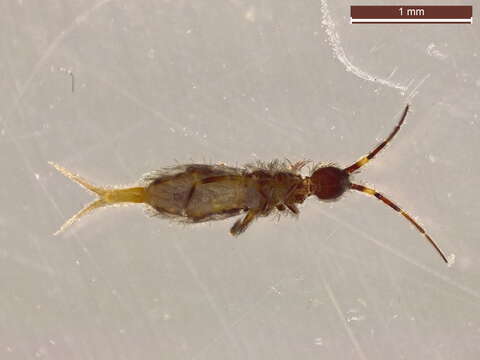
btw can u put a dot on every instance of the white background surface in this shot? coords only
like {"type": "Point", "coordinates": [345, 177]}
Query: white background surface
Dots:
{"type": "Point", "coordinates": [160, 82]}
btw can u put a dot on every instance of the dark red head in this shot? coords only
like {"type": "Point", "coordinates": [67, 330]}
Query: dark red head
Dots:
{"type": "Point", "coordinates": [329, 182]}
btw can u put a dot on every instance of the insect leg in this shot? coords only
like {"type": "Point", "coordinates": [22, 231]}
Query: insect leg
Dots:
{"type": "Point", "coordinates": [241, 225]}
{"type": "Point", "coordinates": [293, 208]}
{"type": "Point", "coordinates": [371, 155]}
{"type": "Point", "coordinates": [395, 207]}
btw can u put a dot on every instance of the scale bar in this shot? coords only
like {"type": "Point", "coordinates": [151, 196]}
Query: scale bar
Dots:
{"type": "Point", "coordinates": [411, 21]}
{"type": "Point", "coordinates": [411, 14]}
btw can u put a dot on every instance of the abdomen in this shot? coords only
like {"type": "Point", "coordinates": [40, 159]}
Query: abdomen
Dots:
{"type": "Point", "coordinates": [203, 192]}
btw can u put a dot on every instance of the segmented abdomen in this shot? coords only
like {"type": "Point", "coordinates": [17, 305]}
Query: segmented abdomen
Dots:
{"type": "Point", "coordinates": [203, 192]}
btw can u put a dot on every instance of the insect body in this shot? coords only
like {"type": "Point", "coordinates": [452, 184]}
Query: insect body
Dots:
{"type": "Point", "coordinates": [208, 192]}
{"type": "Point", "coordinates": [198, 193]}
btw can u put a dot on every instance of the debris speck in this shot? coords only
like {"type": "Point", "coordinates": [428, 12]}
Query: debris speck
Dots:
{"type": "Point", "coordinates": [250, 14]}
{"type": "Point", "coordinates": [451, 260]}
{"type": "Point", "coordinates": [276, 291]}
{"type": "Point", "coordinates": [356, 318]}
{"type": "Point", "coordinates": [433, 51]}
{"type": "Point", "coordinates": [362, 301]}
{"type": "Point", "coordinates": [151, 54]}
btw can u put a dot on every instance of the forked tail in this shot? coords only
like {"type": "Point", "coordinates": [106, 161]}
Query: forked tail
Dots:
{"type": "Point", "coordinates": [106, 196]}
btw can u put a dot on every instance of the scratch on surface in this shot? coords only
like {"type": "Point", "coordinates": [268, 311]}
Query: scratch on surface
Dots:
{"type": "Point", "coordinates": [56, 207]}
{"type": "Point", "coordinates": [137, 101]}
{"type": "Point", "coordinates": [344, 321]}
{"type": "Point", "coordinates": [248, 313]}
{"type": "Point", "coordinates": [25, 261]}
{"type": "Point", "coordinates": [393, 73]}
{"type": "Point", "coordinates": [414, 91]}
{"type": "Point", "coordinates": [121, 134]}
{"type": "Point", "coordinates": [334, 40]}
{"type": "Point", "coordinates": [208, 295]}
{"type": "Point", "coordinates": [50, 49]}
{"type": "Point", "coordinates": [29, 167]}
{"type": "Point", "coordinates": [27, 136]}
{"type": "Point", "coordinates": [425, 268]}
